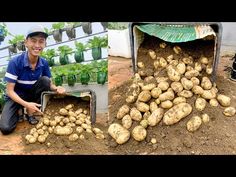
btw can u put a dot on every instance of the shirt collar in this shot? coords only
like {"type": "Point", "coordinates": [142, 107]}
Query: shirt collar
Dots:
{"type": "Point", "coordinates": [26, 61]}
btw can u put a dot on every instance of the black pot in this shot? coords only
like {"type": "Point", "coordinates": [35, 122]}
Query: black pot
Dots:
{"type": "Point", "coordinates": [13, 48]}
{"type": "Point", "coordinates": [2, 38]}
{"type": "Point", "coordinates": [20, 46]}
{"type": "Point", "coordinates": [87, 27]}
{"type": "Point", "coordinates": [57, 35]}
{"type": "Point", "coordinates": [104, 25]}
{"type": "Point", "coordinates": [233, 74]}
{"type": "Point", "coordinates": [70, 32]}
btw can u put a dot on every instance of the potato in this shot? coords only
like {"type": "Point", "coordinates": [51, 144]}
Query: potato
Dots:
{"type": "Point", "coordinates": [157, 101]}
{"type": "Point", "coordinates": [198, 66]}
{"type": "Point", "coordinates": [71, 113]}
{"type": "Point", "coordinates": [39, 125]}
{"type": "Point", "coordinates": [153, 106]}
{"type": "Point", "coordinates": [163, 62]}
{"type": "Point", "coordinates": [146, 115]}
{"type": "Point", "coordinates": [189, 68]}
{"type": "Point", "coordinates": [66, 120]}
{"type": "Point", "coordinates": [50, 130]}
{"type": "Point", "coordinates": [46, 121]}
{"type": "Point", "coordinates": [223, 100]}
{"type": "Point", "coordinates": [176, 113]}
{"type": "Point", "coordinates": [33, 130]}
{"type": "Point", "coordinates": [163, 85]}
{"type": "Point", "coordinates": [100, 136]}
{"type": "Point", "coordinates": [187, 84]}
{"type": "Point", "coordinates": [53, 123]}
{"type": "Point", "coordinates": [41, 138]}
{"type": "Point", "coordinates": [169, 95]}
{"type": "Point", "coordinates": [63, 112]}
{"type": "Point", "coordinates": [97, 131]}
{"type": "Point", "coordinates": [72, 119]}
{"type": "Point", "coordinates": [69, 106]}
{"type": "Point", "coordinates": [185, 93]}
{"type": "Point", "coordinates": [230, 111]}
{"type": "Point", "coordinates": [206, 83]}
{"type": "Point", "coordinates": [205, 118]}
{"type": "Point", "coordinates": [88, 130]}
{"type": "Point", "coordinates": [86, 112]}
{"type": "Point", "coordinates": [148, 87]}
{"type": "Point", "coordinates": [141, 65]}
{"type": "Point", "coordinates": [57, 119]}
{"type": "Point", "coordinates": [131, 99]}
{"type": "Point", "coordinates": [142, 107]}
{"type": "Point", "coordinates": [166, 104]}
{"type": "Point", "coordinates": [79, 130]}
{"type": "Point", "coordinates": [119, 133]}
{"type": "Point", "coordinates": [191, 73]}
{"type": "Point", "coordinates": [155, 117]}
{"type": "Point", "coordinates": [177, 87]}
{"type": "Point", "coordinates": [135, 114]}
{"type": "Point", "coordinates": [122, 111]}
{"type": "Point", "coordinates": [195, 81]}
{"type": "Point", "coordinates": [170, 57]}
{"type": "Point", "coordinates": [40, 131]}
{"type": "Point", "coordinates": [144, 96]}
{"type": "Point", "coordinates": [178, 100]}
{"type": "Point", "coordinates": [173, 74]}
{"type": "Point", "coordinates": [163, 45]}
{"type": "Point", "coordinates": [84, 126]}
{"type": "Point", "coordinates": [209, 69]}
{"type": "Point", "coordinates": [156, 64]}
{"type": "Point", "coordinates": [152, 54]}
{"type": "Point", "coordinates": [35, 134]}
{"type": "Point", "coordinates": [139, 133]}
{"type": "Point", "coordinates": [194, 123]}
{"type": "Point", "coordinates": [88, 122]}
{"type": "Point", "coordinates": [174, 63]}
{"type": "Point", "coordinates": [204, 60]}
{"type": "Point", "coordinates": [200, 104]}
{"type": "Point", "coordinates": [144, 123]}
{"type": "Point", "coordinates": [214, 102]}
{"type": "Point", "coordinates": [197, 90]}
{"type": "Point", "coordinates": [181, 68]}
{"type": "Point", "coordinates": [73, 137]}
{"type": "Point", "coordinates": [80, 110]}
{"type": "Point", "coordinates": [44, 128]}
{"type": "Point", "coordinates": [177, 49]}
{"type": "Point", "coordinates": [32, 139]}
{"type": "Point", "coordinates": [58, 130]}
{"type": "Point", "coordinates": [208, 94]}
{"type": "Point", "coordinates": [161, 79]}
{"type": "Point", "coordinates": [188, 60]}
{"type": "Point", "coordinates": [156, 92]}
{"type": "Point", "coordinates": [127, 121]}
{"type": "Point", "coordinates": [81, 137]}
{"type": "Point", "coordinates": [153, 140]}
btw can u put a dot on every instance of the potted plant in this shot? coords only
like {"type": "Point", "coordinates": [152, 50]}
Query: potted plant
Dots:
{"type": "Point", "coordinates": [102, 72]}
{"type": "Point", "coordinates": [3, 32]}
{"type": "Point", "coordinates": [57, 31]}
{"type": "Point", "coordinates": [87, 27]}
{"type": "Point", "coordinates": [71, 78]}
{"type": "Point", "coordinates": [65, 50]}
{"type": "Point", "coordinates": [70, 30]}
{"type": "Point", "coordinates": [79, 52]}
{"type": "Point", "coordinates": [17, 43]}
{"type": "Point", "coordinates": [85, 73]}
{"type": "Point", "coordinates": [96, 44]}
{"type": "Point", "coordinates": [49, 56]}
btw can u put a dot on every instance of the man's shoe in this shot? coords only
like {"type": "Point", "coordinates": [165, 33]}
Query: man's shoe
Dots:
{"type": "Point", "coordinates": [32, 120]}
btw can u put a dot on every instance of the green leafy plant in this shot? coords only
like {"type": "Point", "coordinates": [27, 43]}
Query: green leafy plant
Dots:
{"type": "Point", "coordinates": [64, 50]}
{"type": "Point", "coordinates": [16, 39]}
{"type": "Point", "coordinates": [49, 56]}
{"type": "Point", "coordinates": [4, 31]}
{"type": "Point", "coordinates": [59, 25]}
{"type": "Point", "coordinates": [102, 72]}
{"type": "Point", "coordinates": [118, 25]}
{"type": "Point", "coordinates": [79, 52]}
{"type": "Point", "coordinates": [85, 73]}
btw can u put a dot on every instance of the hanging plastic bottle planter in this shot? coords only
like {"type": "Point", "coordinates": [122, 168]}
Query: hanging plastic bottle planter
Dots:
{"type": "Point", "coordinates": [87, 27]}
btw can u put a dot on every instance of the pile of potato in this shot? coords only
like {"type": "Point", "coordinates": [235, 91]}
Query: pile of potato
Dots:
{"type": "Point", "coordinates": [161, 93]}
{"type": "Point", "coordinates": [69, 123]}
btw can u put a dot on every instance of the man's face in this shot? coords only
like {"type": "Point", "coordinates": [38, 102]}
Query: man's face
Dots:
{"type": "Point", "coordinates": [35, 44]}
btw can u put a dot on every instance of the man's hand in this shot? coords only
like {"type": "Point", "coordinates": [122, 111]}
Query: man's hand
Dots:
{"type": "Point", "coordinates": [33, 108]}
{"type": "Point", "coordinates": [60, 90]}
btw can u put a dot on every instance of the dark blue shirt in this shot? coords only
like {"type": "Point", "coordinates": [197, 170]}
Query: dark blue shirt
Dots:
{"type": "Point", "coordinates": [20, 72]}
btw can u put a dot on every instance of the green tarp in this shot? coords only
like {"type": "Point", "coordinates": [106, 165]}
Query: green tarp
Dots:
{"type": "Point", "coordinates": [170, 33]}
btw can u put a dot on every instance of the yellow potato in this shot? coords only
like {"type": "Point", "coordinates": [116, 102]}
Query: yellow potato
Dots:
{"type": "Point", "coordinates": [142, 107]}
{"type": "Point", "coordinates": [63, 112]}
{"type": "Point", "coordinates": [198, 66]}
{"type": "Point", "coordinates": [119, 133]}
{"type": "Point", "coordinates": [144, 123]}
{"type": "Point", "coordinates": [206, 83]}
{"type": "Point", "coordinates": [135, 114]}
{"type": "Point", "coordinates": [73, 137]}
{"type": "Point", "coordinates": [208, 94]}
{"type": "Point", "coordinates": [230, 111]}
{"type": "Point", "coordinates": [178, 100]}
{"type": "Point", "coordinates": [122, 111]}
{"type": "Point", "coordinates": [166, 104]}
{"type": "Point", "coordinates": [191, 73]}
{"type": "Point", "coordinates": [187, 84]}
{"type": "Point", "coordinates": [214, 102]}
{"type": "Point", "coordinates": [163, 45]}
{"type": "Point", "coordinates": [197, 90]}
{"type": "Point", "coordinates": [176, 113]}
{"type": "Point", "coordinates": [155, 117]}
{"type": "Point", "coordinates": [58, 130]}
{"type": "Point", "coordinates": [173, 74]}
{"type": "Point", "coordinates": [194, 123]}
{"type": "Point", "coordinates": [181, 68]}
{"type": "Point", "coordinates": [188, 60]}
{"type": "Point", "coordinates": [185, 93]}
{"type": "Point", "coordinates": [169, 95]}
{"type": "Point", "coordinates": [152, 54]}
{"type": "Point", "coordinates": [144, 96]}
{"type": "Point", "coordinates": [223, 100]}
{"type": "Point", "coordinates": [155, 93]}
{"type": "Point", "coordinates": [127, 121]}
{"type": "Point", "coordinates": [195, 81]}
{"type": "Point", "coordinates": [153, 106]}
{"type": "Point", "coordinates": [204, 60]}
{"type": "Point", "coordinates": [139, 133]}
{"type": "Point", "coordinates": [205, 118]}
{"type": "Point", "coordinates": [200, 104]}
{"type": "Point", "coordinates": [177, 49]}
{"type": "Point", "coordinates": [177, 87]}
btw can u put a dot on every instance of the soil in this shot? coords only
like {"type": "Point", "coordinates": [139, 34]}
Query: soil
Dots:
{"type": "Point", "coordinates": [215, 137]}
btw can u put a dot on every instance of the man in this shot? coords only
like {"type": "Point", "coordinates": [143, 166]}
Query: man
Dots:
{"type": "Point", "coordinates": [27, 76]}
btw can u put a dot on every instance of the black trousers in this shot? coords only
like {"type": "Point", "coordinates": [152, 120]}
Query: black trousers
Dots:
{"type": "Point", "coordinates": [9, 118]}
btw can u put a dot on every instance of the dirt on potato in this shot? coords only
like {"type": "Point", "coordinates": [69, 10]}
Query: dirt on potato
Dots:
{"type": "Point", "coordinates": [215, 137]}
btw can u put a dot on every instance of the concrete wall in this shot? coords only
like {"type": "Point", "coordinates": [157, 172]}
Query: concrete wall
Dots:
{"type": "Point", "coordinates": [228, 43]}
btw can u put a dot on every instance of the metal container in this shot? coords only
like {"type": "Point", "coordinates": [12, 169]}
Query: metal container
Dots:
{"type": "Point", "coordinates": [137, 36]}
{"type": "Point", "coordinates": [84, 94]}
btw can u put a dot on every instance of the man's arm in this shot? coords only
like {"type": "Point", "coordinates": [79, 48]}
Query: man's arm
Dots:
{"type": "Point", "coordinates": [32, 107]}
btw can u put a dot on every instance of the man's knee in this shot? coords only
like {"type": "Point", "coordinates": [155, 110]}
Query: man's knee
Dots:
{"type": "Point", "coordinates": [45, 81]}
{"type": "Point", "coordinates": [6, 129]}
